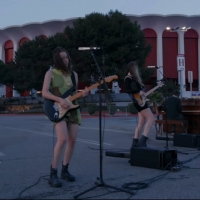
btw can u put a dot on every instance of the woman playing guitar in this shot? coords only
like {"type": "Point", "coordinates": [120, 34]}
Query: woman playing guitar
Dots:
{"type": "Point", "coordinates": [135, 88]}
{"type": "Point", "coordinates": [57, 81]}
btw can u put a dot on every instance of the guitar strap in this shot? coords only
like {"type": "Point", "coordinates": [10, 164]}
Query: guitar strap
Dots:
{"type": "Point", "coordinates": [130, 94]}
{"type": "Point", "coordinates": [73, 81]}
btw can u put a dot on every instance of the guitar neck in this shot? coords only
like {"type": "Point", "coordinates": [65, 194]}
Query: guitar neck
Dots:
{"type": "Point", "coordinates": [150, 91]}
{"type": "Point", "coordinates": [79, 94]}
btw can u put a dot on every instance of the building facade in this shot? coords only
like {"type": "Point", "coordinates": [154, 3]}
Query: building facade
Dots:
{"type": "Point", "coordinates": [167, 45]}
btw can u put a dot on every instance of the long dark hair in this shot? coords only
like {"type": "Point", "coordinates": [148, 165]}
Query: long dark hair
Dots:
{"type": "Point", "coordinates": [133, 69]}
{"type": "Point", "coordinates": [58, 62]}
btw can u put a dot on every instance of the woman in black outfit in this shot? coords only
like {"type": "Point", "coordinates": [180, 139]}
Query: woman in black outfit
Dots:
{"type": "Point", "coordinates": [134, 86]}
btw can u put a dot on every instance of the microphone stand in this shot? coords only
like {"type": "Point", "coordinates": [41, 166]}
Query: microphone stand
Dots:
{"type": "Point", "coordinates": [100, 182]}
{"type": "Point", "coordinates": [167, 138]}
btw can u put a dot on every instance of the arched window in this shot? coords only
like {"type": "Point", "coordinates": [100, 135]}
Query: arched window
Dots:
{"type": "Point", "coordinates": [44, 36]}
{"type": "Point", "coordinates": [170, 52]}
{"type": "Point", "coordinates": [24, 39]}
{"type": "Point", "coordinates": [191, 54]}
{"type": "Point", "coordinates": [9, 51]}
{"type": "Point", "coordinates": [151, 38]}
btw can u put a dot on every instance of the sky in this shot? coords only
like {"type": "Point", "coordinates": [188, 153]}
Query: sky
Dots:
{"type": "Point", "coordinates": [22, 12]}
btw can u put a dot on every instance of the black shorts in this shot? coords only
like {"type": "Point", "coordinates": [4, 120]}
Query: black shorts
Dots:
{"type": "Point", "coordinates": [139, 108]}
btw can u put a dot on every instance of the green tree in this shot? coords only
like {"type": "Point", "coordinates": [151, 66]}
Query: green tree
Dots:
{"type": "Point", "coordinates": [120, 39]}
{"type": "Point", "coordinates": [32, 60]}
{"type": "Point", "coordinates": [6, 74]}
{"type": "Point", "coordinates": [168, 88]}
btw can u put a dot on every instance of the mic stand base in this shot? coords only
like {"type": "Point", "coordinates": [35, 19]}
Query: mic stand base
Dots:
{"type": "Point", "coordinates": [100, 183]}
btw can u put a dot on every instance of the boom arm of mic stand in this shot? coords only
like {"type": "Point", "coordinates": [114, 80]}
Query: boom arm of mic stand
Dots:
{"type": "Point", "coordinates": [101, 75]}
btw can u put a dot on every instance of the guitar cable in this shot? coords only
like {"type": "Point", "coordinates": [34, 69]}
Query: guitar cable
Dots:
{"type": "Point", "coordinates": [45, 176]}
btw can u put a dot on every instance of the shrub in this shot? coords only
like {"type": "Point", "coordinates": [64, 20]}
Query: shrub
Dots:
{"type": "Point", "coordinates": [92, 108]}
{"type": "Point", "coordinates": [132, 109]}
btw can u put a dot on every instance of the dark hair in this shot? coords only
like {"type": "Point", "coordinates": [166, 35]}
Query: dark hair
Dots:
{"type": "Point", "coordinates": [58, 62]}
{"type": "Point", "coordinates": [134, 71]}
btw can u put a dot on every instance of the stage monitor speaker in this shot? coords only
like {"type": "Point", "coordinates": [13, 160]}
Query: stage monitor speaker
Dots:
{"type": "Point", "coordinates": [186, 140]}
{"type": "Point", "coordinates": [153, 158]}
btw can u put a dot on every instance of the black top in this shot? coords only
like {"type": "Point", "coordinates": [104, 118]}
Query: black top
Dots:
{"type": "Point", "coordinates": [132, 86]}
{"type": "Point", "coordinates": [173, 107]}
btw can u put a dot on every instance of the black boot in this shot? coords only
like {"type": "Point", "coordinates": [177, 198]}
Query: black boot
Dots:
{"type": "Point", "coordinates": [54, 181]}
{"type": "Point", "coordinates": [66, 175]}
{"type": "Point", "coordinates": [142, 142]}
{"type": "Point", "coordinates": [134, 142]}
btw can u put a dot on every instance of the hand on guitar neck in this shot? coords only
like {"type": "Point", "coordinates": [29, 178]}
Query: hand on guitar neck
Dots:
{"type": "Point", "coordinates": [85, 92]}
{"type": "Point", "coordinates": [141, 96]}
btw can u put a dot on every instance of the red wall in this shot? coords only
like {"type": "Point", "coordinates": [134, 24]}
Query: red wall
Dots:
{"type": "Point", "coordinates": [191, 53]}
{"type": "Point", "coordinates": [151, 38]}
{"type": "Point", "coordinates": [170, 52]}
{"type": "Point", "coordinates": [25, 39]}
{"type": "Point", "coordinates": [9, 91]}
{"type": "Point", "coordinates": [8, 47]}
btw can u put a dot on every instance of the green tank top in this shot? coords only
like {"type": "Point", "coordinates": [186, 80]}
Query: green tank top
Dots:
{"type": "Point", "coordinates": [59, 85]}
{"type": "Point", "coordinates": [62, 83]}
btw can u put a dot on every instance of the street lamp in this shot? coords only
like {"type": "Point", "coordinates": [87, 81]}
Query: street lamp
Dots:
{"type": "Point", "coordinates": [177, 29]}
{"type": "Point", "coordinates": [180, 57]}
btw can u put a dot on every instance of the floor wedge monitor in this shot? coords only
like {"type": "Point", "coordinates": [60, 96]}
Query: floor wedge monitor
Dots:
{"type": "Point", "coordinates": [186, 140]}
{"type": "Point", "coordinates": [153, 158]}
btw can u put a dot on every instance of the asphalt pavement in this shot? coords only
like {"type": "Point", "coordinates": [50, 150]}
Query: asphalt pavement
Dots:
{"type": "Point", "coordinates": [26, 147]}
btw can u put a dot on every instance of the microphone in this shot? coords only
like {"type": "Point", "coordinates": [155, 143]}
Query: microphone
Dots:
{"type": "Point", "coordinates": [156, 67]}
{"type": "Point", "coordinates": [88, 48]}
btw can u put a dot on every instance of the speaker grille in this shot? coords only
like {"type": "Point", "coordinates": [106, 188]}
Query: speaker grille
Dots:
{"type": "Point", "coordinates": [153, 158]}
{"type": "Point", "coordinates": [186, 140]}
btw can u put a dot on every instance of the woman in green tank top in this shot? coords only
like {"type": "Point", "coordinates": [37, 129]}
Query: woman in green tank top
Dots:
{"type": "Point", "coordinates": [56, 82]}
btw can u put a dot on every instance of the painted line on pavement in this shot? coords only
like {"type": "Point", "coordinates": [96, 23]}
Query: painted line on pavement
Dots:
{"type": "Point", "coordinates": [50, 135]}
{"type": "Point", "coordinates": [2, 154]}
{"type": "Point", "coordinates": [112, 130]}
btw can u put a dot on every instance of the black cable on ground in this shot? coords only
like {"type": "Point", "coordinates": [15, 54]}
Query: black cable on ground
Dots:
{"type": "Point", "coordinates": [55, 117]}
{"type": "Point", "coordinates": [19, 195]}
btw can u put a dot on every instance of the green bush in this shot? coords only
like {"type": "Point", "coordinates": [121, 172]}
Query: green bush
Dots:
{"type": "Point", "coordinates": [132, 109]}
{"type": "Point", "coordinates": [155, 99]}
{"type": "Point", "coordinates": [92, 108]}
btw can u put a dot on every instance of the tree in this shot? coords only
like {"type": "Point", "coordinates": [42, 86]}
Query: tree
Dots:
{"type": "Point", "coordinates": [169, 87]}
{"type": "Point", "coordinates": [6, 74]}
{"type": "Point", "coordinates": [120, 40]}
{"type": "Point", "coordinates": [32, 60]}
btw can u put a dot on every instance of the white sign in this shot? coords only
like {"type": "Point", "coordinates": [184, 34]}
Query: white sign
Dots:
{"type": "Point", "coordinates": [180, 62]}
{"type": "Point", "coordinates": [190, 76]}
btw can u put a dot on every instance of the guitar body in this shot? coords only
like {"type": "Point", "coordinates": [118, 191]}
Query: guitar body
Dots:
{"type": "Point", "coordinates": [140, 99]}
{"type": "Point", "coordinates": [56, 113]}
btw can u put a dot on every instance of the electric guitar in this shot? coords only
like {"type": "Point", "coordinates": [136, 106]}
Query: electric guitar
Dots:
{"type": "Point", "coordinates": [56, 113]}
{"type": "Point", "coordinates": [141, 100]}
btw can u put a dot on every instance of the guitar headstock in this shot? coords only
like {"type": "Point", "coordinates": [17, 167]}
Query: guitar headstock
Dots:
{"type": "Point", "coordinates": [111, 78]}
